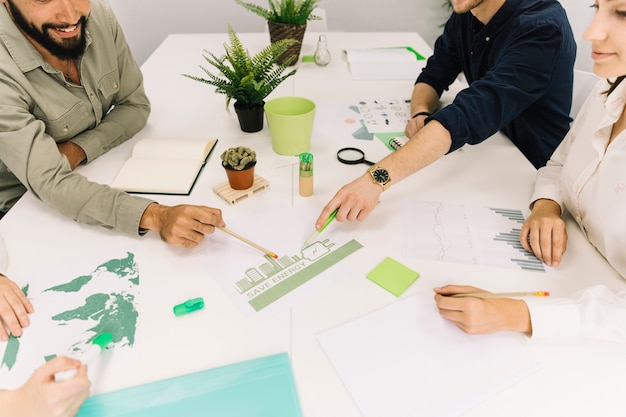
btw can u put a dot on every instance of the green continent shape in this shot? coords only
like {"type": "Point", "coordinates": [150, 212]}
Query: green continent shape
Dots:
{"type": "Point", "coordinates": [115, 313]}
{"type": "Point", "coordinates": [123, 267]}
{"type": "Point", "coordinates": [10, 354]}
{"type": "Point", "coordinates": [73, 286]}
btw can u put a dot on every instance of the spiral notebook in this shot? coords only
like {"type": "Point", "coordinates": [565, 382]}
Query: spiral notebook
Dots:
{"type": "Point", "coordinates": [397, 142]}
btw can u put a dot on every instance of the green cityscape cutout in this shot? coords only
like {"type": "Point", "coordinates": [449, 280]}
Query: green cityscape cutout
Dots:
{"type": "Point", "coordinates": [266, 283]}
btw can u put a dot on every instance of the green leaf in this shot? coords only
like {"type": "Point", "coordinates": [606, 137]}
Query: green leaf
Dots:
{"type": "Point", "coordinates": [240, 77]}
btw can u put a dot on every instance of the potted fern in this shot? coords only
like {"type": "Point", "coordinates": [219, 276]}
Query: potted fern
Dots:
{"type": "Point", "coordinates": [239, 164]}
{"type": "Point", "coordinates": [286, 19]}
{"type": "Point", "coordinates": [246, 80]}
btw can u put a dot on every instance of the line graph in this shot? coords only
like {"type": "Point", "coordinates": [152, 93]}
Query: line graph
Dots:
{"type": "Point", "coordinates": [466, 234]}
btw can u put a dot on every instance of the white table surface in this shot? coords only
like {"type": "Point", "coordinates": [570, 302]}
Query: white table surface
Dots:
{"type": "Point", "coordinates": [578, 379]}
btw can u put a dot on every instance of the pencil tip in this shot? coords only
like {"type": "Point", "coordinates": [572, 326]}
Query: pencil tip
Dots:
{"type": "Point", "coordinates": [273, 255]}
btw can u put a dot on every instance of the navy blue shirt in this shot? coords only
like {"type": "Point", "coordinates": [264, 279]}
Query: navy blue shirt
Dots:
{"type": "Point", "coordinates": [519, 68]}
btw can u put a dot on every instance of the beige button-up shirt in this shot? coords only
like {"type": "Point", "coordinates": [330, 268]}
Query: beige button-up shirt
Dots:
{"type": "Point", "coordinates": [38, 109]}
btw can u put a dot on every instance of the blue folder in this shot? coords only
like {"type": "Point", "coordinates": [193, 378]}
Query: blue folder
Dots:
{"type": "Point", "coordinates": [258, 387]}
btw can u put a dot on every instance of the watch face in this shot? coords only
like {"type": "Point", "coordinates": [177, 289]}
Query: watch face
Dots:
{"type": "Point", "coordinates": [381, 175]}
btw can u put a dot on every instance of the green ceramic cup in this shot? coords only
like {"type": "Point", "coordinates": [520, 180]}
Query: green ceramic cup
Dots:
{"type": "Point", "coordinates": [290, 121]}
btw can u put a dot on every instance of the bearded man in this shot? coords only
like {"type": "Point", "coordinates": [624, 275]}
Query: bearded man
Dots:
{"type": "Point", "coordinates": [70, 90]}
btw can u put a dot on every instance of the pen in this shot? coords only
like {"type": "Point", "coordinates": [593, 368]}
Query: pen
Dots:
{"type": "Point", "coordinates": [97, 346]}
{"type": "Point", "coordinates": [503, 294]}
{"type": "Point", "coordinates": [315, 234]}
{"type": "Point", "coordinates": [243, 239]}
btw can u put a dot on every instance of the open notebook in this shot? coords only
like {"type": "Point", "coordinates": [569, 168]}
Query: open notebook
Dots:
{"type": "Point", "coordinates": [164, 165]}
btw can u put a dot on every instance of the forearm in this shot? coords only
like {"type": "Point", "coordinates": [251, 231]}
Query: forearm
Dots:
{"type": "Point", "coordinates": [596, 312]}
{"type": "Point", "coordinates": [547, 206]}
{"type": "Point", "coordinates": [121, 124]}
{"type": "Point", "coordinates": [429, 144]}
{"type": "Point", "coordinates": [10, 403]}
{"type": "Point", "coordinates": [151, 218]}
{"type": "Point", "coordinates": [74, 153]}
{"type": "Point", "coordinates": [423, 99]}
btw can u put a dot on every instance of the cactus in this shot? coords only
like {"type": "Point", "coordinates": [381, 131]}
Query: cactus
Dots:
{"type": "Point", "coordinates": [238, 158]}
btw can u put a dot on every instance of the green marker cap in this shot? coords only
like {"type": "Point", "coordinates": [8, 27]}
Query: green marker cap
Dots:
{"type": "Point", "coordinates": [102, 340]}
{"type": "Point", "coordinates": [306, 164]}
{"type": "Point", "coordinates": [189, 306]}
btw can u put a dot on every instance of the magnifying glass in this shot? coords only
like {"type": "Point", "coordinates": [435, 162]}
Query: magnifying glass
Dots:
{"type": "Point", "coordinates": [352, 156]}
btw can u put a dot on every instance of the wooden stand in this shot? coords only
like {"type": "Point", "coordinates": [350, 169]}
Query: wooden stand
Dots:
{"type": "Point", "coordinates": [232, 196]}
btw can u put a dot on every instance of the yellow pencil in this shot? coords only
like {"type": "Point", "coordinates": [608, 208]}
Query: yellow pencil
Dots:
{"type": "Point", "coordinates": [503, 294]}
{"type": "Point", "coordinates": [249, 242]}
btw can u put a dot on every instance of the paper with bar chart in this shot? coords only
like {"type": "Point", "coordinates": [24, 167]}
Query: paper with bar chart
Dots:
{"type": "Point", "coordinates": [466, 234]}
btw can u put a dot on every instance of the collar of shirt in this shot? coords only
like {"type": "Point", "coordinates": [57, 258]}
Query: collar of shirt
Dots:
{"type": "Point", "coordinates": [615, 102]}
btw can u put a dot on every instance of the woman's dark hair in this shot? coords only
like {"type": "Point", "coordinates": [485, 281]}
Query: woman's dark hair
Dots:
{"type": "Point", "coordinates": [613, 85]}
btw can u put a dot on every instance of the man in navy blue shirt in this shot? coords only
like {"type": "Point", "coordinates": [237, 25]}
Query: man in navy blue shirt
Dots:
{"type": "Point", "coordinates": [518, 58]}
{"type": "Point", "coordinates": [519, 65]}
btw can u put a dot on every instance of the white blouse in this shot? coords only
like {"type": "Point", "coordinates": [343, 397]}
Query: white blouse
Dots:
{"type": "Point", "coordinates": [588, 178]}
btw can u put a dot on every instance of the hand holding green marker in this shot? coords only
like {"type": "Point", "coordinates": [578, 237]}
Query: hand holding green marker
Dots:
{"type": "Point", "coordinates": [315, 234]}
{"type": "Point", "coordinates": [98, 345]}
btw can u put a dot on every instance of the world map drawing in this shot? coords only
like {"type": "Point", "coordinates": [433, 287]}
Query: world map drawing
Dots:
{"type": "Point", "coordinates": [71, 313]}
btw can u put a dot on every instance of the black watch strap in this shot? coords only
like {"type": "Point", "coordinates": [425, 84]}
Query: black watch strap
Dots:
{"type": "Point", "coordinates": [421, 113]}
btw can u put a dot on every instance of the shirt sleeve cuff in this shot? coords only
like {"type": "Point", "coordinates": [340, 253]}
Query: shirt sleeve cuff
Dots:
{"type": "Point", "coordinates": [553, 319]}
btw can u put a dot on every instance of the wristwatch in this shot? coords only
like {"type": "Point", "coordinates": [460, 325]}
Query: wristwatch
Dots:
{"type": "Point", "coordinates": [380, 176]}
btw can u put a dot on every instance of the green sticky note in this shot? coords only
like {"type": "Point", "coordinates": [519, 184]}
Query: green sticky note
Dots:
{"type": "Point", "coordinates": [393, 276]}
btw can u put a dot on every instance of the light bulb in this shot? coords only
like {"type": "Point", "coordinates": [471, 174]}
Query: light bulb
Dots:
{"type": "Point", "coordinates": [322, 55]}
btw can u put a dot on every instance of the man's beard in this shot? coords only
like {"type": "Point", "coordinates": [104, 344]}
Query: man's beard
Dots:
{"type": "Point", "coordinates": [65, 49]}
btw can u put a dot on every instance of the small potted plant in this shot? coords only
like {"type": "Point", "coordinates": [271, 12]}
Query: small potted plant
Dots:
{"type": "Point", "coordinates": [239, 164]}
{"type": "Point", "coordinates": [286, 19]}
{"type": "Point", "coordinates": [245, 79]}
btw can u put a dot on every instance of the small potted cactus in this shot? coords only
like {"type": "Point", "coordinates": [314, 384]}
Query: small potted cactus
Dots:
{"type": "Point", "coordinates": [239, 164]}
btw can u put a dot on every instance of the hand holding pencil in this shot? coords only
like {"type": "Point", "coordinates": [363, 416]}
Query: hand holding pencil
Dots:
{"type": "Point", "coordinates": [476, 312]}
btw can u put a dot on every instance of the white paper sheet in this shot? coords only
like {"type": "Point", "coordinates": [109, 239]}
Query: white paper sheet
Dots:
{"type": "Point", "coordinates": [74, 302]}
{"type": "Point", "coordinates": [406, 360]}
{"type": "Point", "coordinates": [258, 283]}
{"type": "Point", "coordinates": [466, 234]}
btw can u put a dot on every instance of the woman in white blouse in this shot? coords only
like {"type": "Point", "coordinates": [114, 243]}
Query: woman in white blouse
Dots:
{"type": "Point", "coordinates": [41, 395]}
{"type": "Point", "coordinates": [587, 176]}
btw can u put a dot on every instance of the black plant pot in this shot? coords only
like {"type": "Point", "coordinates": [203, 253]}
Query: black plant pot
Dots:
{"type": "Point", "coordinates": [250, 119]}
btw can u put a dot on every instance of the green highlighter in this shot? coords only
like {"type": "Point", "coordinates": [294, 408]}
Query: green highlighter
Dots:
{"type": "Point", "coordinates": [98, 345]}
{"type": "Point", "coordinates": [313, 237]}
{"type": "Point", "coordinates": [189, 306]}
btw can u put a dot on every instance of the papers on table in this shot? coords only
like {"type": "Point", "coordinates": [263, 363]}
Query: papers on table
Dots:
{"type": "Point", "coordinates": [384, 118]}
{"type": "Point", "coordinates": [380, 115]}
{"type": "Point", "coordinates": [466, 234]}
{"type": "Point", "coordinates": [258, 283]}
{"type": "Point", "coordinates": [393, 63]}
{"type": "Point", "coordinates": [76, 299]}
{"type": "Point", "coordinates": [406, 360]}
